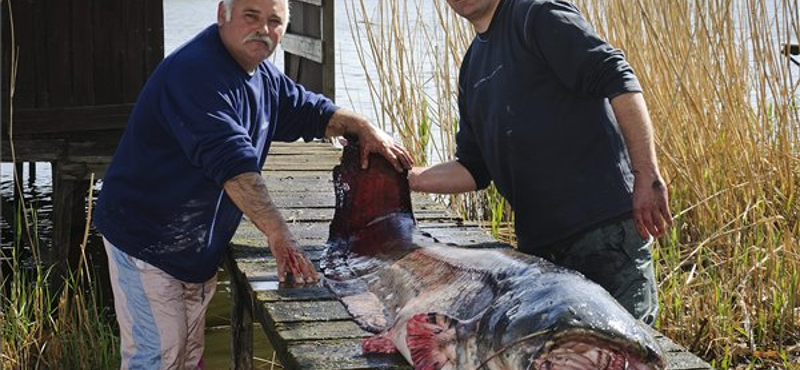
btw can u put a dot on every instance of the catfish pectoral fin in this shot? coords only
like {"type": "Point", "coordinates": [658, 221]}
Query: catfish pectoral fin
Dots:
{"type": "Point", "coordinates": [368, 311]}
{"type": "Point", "coordinates": [431, 340]}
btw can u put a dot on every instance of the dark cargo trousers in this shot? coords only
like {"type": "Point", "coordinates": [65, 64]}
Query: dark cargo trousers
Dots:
{"type": "Point", "coordinates": [615, 256]}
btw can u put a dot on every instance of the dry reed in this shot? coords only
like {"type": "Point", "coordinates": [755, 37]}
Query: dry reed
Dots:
{"type": "Point", "coordinates": [723, 99]}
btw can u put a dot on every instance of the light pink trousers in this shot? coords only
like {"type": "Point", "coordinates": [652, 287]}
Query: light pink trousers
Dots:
{"type": "Point", "coordinates": [161, 319]}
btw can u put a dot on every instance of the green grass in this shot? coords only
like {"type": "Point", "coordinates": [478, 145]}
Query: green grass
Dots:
{"type": "Point", "coordinates": [41, 329]}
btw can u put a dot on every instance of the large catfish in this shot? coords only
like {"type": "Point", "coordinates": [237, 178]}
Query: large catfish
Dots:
{"type": "Point", "coordinates": [471, 308]}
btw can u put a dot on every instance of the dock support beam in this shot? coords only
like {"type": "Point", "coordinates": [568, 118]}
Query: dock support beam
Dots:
{"type": "Point", "coordinates": [70, 189]}
{"type": "Point", "coordinates": [241, 324]}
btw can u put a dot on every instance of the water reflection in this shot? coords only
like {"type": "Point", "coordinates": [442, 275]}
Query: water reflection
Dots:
{"type": "Point", "coordinates": [217, 353]}
{"type": "Point", "coordinates": [37, 194]}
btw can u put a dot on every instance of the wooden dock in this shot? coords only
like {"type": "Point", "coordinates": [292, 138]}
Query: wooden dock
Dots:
{"type": "Point", "coordinates": [308, 327]}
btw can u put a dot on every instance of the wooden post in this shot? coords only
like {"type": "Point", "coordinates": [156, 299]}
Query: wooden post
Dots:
{"type": "Point", "coordinates": [70, 187]}
{"type": "Point", "coordinates": [328, 50]}
{"type": "Point", "coordinates": [5, 266]}
{"type": "Point", "coordinates": [31, 173]}
{"type": "Point", "coordinates": [241, 322]}
{"type": "Point", "coordinates": [5, 285]}
{"type": "Point", "coordinates": [309, 46]}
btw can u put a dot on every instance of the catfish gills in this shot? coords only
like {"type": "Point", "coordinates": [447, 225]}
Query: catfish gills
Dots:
{"type": "Point", "coordinates": [480, 307]}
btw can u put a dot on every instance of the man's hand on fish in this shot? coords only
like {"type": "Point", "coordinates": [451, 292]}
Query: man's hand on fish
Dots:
{"type": "Point", "coordinates": [291, 259]}
{"type": "Point", "coordinates": [373, 140]}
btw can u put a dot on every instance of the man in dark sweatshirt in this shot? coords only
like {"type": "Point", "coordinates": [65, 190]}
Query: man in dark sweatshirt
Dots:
{"type": "Point", "coordinates": [555, 117]}
{"type": "Point", "coordinates": [189, 164]}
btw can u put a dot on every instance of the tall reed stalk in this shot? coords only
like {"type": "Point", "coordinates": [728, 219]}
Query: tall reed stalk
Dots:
{"type": "Point", "coordinates": [724, 103]}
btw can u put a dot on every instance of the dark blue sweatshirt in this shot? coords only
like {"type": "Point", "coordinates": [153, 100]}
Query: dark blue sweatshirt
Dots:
{"type": "Point", "coordinates": [199, 121]}
{"type": "Point", "coordinates": [534, 94]}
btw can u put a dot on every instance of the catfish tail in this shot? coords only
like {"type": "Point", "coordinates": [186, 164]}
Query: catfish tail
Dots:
{"type": "Point", "coordinates": [373, 206]}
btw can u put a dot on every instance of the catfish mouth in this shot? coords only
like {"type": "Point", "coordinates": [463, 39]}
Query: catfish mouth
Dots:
{"type": "Point", "coordinates": [581, 350]}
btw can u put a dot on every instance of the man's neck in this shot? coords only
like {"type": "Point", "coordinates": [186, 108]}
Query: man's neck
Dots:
{"type": "Point", "coordinates": [483, 23]}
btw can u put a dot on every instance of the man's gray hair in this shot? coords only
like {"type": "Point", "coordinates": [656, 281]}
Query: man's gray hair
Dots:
{"type": "Point", "coordinates": [228, 4]}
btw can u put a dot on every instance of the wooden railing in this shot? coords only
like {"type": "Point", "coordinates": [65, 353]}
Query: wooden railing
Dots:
{"type": "Point", "coordinates": [309, 45]}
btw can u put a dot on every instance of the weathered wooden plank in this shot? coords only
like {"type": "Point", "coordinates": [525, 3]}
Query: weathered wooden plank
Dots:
{"type": "Point", "coordinates": [107, 61]}
{"type": "Point", "coordinates": [319, 331]}
{"type": "Point", "coordinates": [684, 360]}
{"type": "Point", "coordinates": [326, 215]}
{"type": "Point", "coordinates": [132, 55]}
{"type": "Point", "coordinates": [47, 150]}
{"type": "Point", "coordinates": [423, 202]}
{"type": "Point", "coordinates": [72, 119]}
{"type": "Point", "coordinates": [316, 232]}
{"type": "Point", "coordinates": [304, 200]}
{"type": "Point", "coordinates": [462, 236]}
{"type": "Point", "coordinates": [309, 47]}
{"type": "Point", "coordinates": [309, 21]}
{"type": "Point", "coordinates": [303, 46]}
{"type": "Point", "coordinates": [299, 185]}
{"type": "Point", "coordinates": [270, 165]}
{"type": "Point", "coordinates": [82, 51]}
{"type": "Point", "coordinates": [321, 199]}
{"type": "Point", "coordinates": [299, 146]}
{"type": "Point", "coordinates": [302, 161]}
{"type": "Point", "coordinates": [296, 293]}
{"type": "Point", "coordinates": [154, 21]}
{"type": "Point", "coordinates": [328, 37]}
{"type": "Point", "coordinates": [96, 148]}
{"type": "Point", "coordinates": [339, 354]}
{"type": "Point", "coordinates": [667, 345]}
{"type": "Point", "coordinates": [58, 58]}
{"type": "Point", "coordinates": [37, 51]}
{"type": "Point", "coordinates": [25, 94]}
{"type": "Point", "coordinates": [313, 244]}
{"type": "Point", "coordinates": [322, 182]}
{"type": "Point", "coordinates": [306, 311]}
{"type": "Point", "coordinates": [256, 252]}
{"type": "Point", "coordinates": [312, 2]}
{"type": "Point", "coordinates": [259, 269]}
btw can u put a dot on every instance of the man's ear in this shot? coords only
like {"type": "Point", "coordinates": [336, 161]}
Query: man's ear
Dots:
{"type": "Point", "coordinates": [220, 14]}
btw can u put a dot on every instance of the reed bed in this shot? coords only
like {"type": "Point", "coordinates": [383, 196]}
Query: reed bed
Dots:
{"type": "Point", "coordinates": [723, 99]}
{"type": "Point", "coordinates": [41, 328]}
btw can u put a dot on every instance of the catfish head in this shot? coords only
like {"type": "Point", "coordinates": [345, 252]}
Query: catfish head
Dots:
{"type": "Point", "coordinates": [556, 321]}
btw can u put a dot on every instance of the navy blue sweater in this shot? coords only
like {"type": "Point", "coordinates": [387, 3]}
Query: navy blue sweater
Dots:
{"type": "Point", "coordinates": [199, 121]}
{"type": "Point", "coordinates": [534, 94]}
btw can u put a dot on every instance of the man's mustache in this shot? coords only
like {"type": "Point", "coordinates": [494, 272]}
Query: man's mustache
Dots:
{"type": "Point", "coordinates": [257, 36]}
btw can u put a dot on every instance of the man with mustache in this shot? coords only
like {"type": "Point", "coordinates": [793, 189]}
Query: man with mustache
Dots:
{"type": "Point", "coordinates": [188, 166]}
{"type": "Point", "coordinates": [555, 117]}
